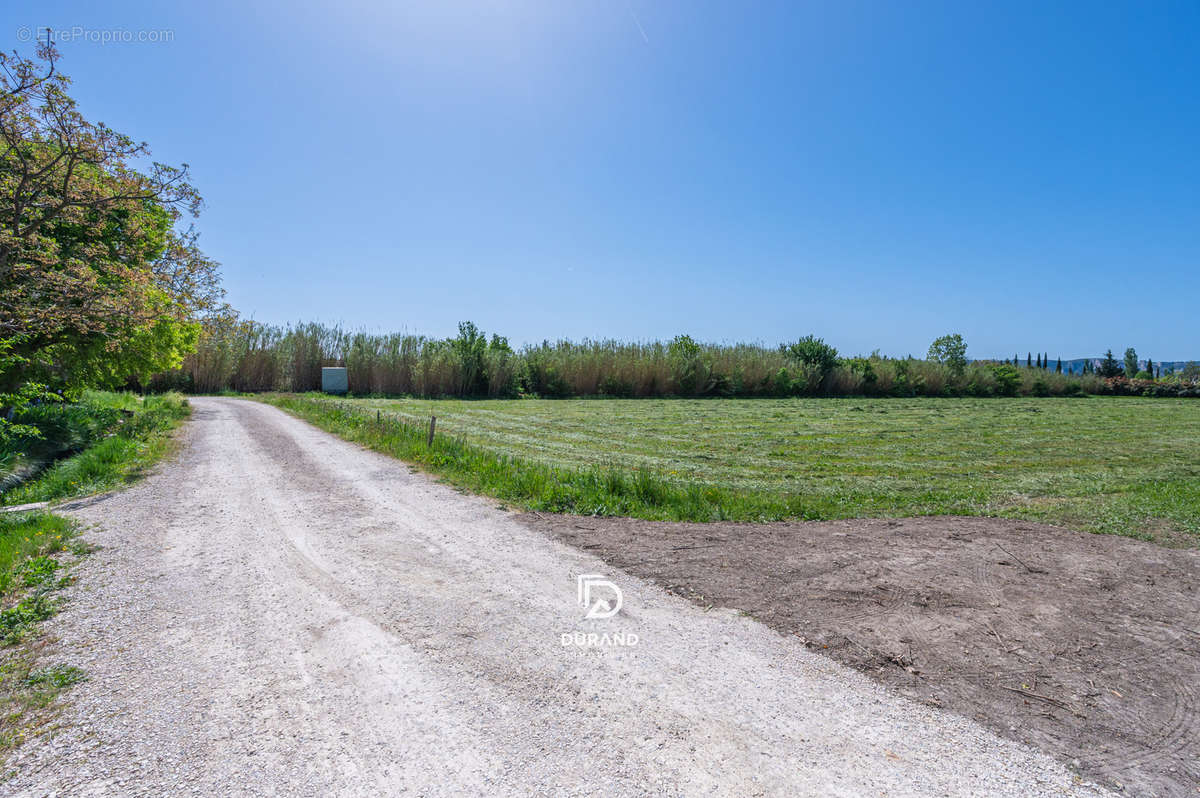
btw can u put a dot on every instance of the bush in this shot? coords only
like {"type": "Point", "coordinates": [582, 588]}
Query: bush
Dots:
{"type": "Point", "coordinates": [863, 372]}
{"type": "Point", "coordinates": [813, 353]}
{"type": "Point", "coordinates": [108, 460]}
{"type": "Point", "coordinates": [907, 381]}
{"type": "Point", "coordinates": [689, 372]}
{"type": "Point", "coordinates": [1007, 379]}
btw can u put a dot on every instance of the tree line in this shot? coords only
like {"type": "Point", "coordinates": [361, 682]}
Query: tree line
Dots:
{"type": "Point", "coordinates": [240, 355]}
{"type": "Point", "coordinates": [1109, 367]}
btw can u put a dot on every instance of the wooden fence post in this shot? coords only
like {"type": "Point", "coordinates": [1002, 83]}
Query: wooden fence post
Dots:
{"type": "Point", "coordinates": [432, 425]}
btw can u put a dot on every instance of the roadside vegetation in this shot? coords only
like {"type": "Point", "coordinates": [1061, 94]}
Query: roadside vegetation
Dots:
{"type": "Point", "coordinates": [101, 286]}
{"type": "Point", "coordinates": [59, 450]}
{"type": "Point", "coordinates": [241, 355]}
{"type": "Point", "coordinates": [1116, 465]}
{"type": "Point", "coordinates": [36, 552]}
{"type": "Point", "coordinates": [99, 443]}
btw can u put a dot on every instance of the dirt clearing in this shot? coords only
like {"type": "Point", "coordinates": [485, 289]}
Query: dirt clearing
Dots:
{"type": "Point", "coordinates": [1086, 646]}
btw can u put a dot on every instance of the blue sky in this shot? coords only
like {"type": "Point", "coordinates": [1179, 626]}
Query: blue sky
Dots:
{"type": "Point", "coordinates": [1027, 174]}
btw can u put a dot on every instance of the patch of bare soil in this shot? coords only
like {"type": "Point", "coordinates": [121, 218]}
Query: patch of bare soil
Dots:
{"type": "Point", "coordinates": [1086, 646]}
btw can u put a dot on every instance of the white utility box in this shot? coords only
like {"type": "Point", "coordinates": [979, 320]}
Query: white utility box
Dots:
{"type": "Point", "coordinates": [334, 380]}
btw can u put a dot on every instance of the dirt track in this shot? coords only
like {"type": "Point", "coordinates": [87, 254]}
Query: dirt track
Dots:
{"type": "Point", "coordinates": [280, 612]}
{"type": "Point", "coordinates": [1087, 646]}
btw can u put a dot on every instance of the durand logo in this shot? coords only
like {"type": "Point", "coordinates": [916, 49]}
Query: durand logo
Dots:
{"type": "Point", "coordinates": [601, 600]}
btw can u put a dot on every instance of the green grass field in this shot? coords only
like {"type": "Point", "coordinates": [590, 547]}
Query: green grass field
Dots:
{"type": "Point", "coordinates": [1127, 466]}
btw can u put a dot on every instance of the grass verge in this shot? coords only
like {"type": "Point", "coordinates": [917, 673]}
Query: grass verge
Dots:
{"type": "Point", "coordinates": [36, 553]}
{"type": "Point", "coordinates": [1128, 466]}
{"type": "Point", "coordinates": [120, 435]}
{"type": "Point", "coordinates": [138, 441]}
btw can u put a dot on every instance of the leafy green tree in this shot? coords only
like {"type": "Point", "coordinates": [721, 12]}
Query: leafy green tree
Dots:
{"type": "Point", "coordinates": [95, 284]}
{"type": "Point", "coordinates": [951, 352]}
{"type": "Point", "coordinates": [1131, 362]}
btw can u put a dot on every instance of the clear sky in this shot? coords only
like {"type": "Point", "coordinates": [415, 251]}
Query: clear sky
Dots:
{"type": "Point", "coordinates": [876, 173]}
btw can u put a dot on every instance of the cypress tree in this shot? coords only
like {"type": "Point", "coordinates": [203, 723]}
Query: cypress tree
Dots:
{"type": "Point", "coordinates": [1110, 367]}
{"type": "Point", "coordinates": [1058, 366]}
{"type": "Point", "coordinates": [1028, 360]}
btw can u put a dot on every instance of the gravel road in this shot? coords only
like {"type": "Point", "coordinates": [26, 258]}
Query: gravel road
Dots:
{"type": "Point", "coordinates": [279, 612]}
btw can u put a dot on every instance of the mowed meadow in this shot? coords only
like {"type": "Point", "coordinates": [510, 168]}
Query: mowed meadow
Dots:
{"type": "Point", "coordinates": [1128, 466]}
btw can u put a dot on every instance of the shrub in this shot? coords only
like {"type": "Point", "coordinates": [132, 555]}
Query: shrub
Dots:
{"type": "Point", "coordinates": [616, 387]}
{"type": "Point", "coordinates": [1007, 379]}
{"type": "Point", "coordinates": [470, 350]}
{"type": "Point", "coordinates": [689, 374]}
{"type": "Point", "coordinates": [863, 370]}
{"type": "Point", "coordinates": [907, 381]}
{"type": "Point", "coordinates": [813, 352]}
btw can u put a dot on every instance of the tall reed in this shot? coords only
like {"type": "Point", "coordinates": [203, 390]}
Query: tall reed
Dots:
{"type": "Point", "coordinates": [241, 355]}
